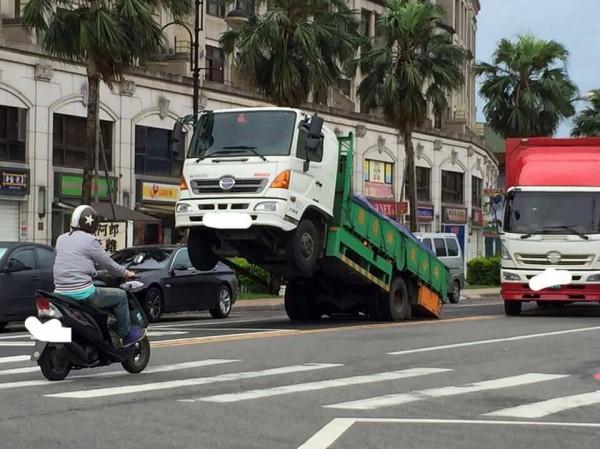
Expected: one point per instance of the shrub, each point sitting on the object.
(247, 285)
(484, 271)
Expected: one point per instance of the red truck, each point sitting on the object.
(551, 219)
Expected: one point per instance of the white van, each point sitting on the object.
(446, 248)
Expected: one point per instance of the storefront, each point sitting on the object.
(476, 233)
(424, 214)
(14, 188)
(156, 199)
(67, 196)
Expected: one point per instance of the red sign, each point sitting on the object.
(477, 216)
(388, 208)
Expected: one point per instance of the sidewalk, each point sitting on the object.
(469, 294)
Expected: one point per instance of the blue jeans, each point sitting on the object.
(116, 299)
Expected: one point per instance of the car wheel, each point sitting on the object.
(3, 324)
(153, 304)
(224, 301)
(454, 295)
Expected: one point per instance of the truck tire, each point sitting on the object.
(512, 308)
(300, 304)
(199, 250)
(395, 305)
(303, 247)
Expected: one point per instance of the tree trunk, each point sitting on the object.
(411, 179)
(92, 132)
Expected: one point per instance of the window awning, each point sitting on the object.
(122, 213)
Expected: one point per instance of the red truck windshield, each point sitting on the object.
(553, 213)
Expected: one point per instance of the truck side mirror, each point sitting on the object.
(176, 144)
(316, 126)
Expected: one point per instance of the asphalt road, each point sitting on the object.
(473, 379)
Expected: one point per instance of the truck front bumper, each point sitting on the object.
(237, 213)
(515, 287)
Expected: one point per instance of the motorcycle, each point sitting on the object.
(94, 341)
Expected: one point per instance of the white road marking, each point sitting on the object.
(25, 383)
(10, 337)
(210, 337)
(152, 333)
(440, 392)
(15, 358)
(328, 435)
(212, 322)
(154, 386)
(495, 340)
(24, 370)
(15, 344)
(323, 384)
(544, 408)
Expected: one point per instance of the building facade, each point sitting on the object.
(42, 140)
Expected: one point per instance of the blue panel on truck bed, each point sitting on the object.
(362, 201)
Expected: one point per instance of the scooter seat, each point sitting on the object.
(75, 304)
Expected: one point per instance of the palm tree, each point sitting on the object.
(527, 87)
(587, 123)
(415, 64)
(294, 47)
(108, 37)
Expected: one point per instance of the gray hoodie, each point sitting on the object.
(74, 268)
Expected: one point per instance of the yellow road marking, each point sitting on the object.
(271, 334)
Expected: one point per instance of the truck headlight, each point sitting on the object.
(511, 277)
(183, 208)
(594, 278)
(504, 253)
(267, 206)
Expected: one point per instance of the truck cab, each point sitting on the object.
(258, 183)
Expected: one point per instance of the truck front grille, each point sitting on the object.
(566, 260)
(205, 186)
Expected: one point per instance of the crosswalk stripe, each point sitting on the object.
(16, 344)
(404, 398)
(128, 389)
(544, 408)
(25, 370)
(320, 385)
(25, 383)
(15, 358)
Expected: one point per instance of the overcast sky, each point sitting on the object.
(574, 23)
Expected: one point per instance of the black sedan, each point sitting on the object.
(24, 268)
(172, 284)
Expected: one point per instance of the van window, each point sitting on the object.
(427, 243)
(452, 247)
(440, 248)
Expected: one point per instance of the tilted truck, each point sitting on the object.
(273, 186)
(551, 219)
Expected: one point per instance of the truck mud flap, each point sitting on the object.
(428, 304)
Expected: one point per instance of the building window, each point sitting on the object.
(214, 64)
(12, 134)
(476, 191)
(378, 177)
(452, 187)
(215, 8)
(69, 141)
(365, 22)
(152, 153)
(423, 175)
(345, 86)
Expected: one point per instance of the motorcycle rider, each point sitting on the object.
(74, 270)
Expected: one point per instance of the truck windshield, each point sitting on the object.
(248, 133)
(553, 213)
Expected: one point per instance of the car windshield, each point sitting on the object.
(3, 249)
(553, 213)
(247, 134)
(143, 259)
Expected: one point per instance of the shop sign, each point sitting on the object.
(14, 181)
(71, 186)
(424, 213)
(477, 217)
(112, 235)
(454, 214)
(389, 208)
(378, 190)
(164, 193)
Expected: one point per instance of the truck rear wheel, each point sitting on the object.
(512, 308)
(395, 305)
(303, 247)
(199, 249)
(300, 304)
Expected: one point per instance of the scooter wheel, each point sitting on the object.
(140, 356)
(54, 363)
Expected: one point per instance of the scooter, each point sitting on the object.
(94, 341)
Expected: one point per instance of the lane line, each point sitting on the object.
(249, 336)
(331, 432)
(24, 370)
(323, 384)
(14, 358)
(549, 407)
(441, 392)
(495, 340)
(26, 383)
(212, 322)
(155, 386)
(16, 344)
(9, 337)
